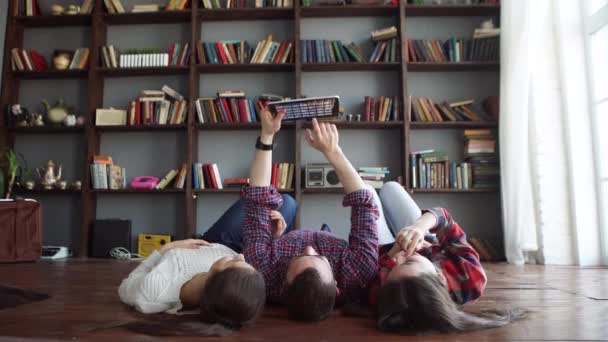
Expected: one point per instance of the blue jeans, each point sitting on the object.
(228, 229)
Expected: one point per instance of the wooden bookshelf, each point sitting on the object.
(42, 191)
(54, 20)
(99, 22)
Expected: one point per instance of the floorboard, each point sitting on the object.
(566, 303)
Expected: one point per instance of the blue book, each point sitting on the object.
(311, 51)
(321, 51)
(208, 54)
(195, 176)
(211, 48)
(252, 110)
(220, 106)
(453, 180)
(342, 52)
(374, 52)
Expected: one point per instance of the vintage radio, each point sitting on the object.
(321, 176)
(148, 243)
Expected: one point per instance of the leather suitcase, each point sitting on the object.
(20, 231)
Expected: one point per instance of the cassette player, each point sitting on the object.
(321, 176)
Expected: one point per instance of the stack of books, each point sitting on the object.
(282, 176)
(240, 52)
(329, 51)
(178, 55)
(231, 106)
(485, 45)
(236, 182)
(432, 169)
(373, 176)
(145, 8)
(385, 108)
(158, 107)
(480, 153)
(106, 175)
(177, 176)
(206, 176)
(425, 110)
(387, 47)
(22, 59)
(213, 4)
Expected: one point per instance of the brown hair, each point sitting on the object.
(422, 304)
(230, 299)
(309, 298)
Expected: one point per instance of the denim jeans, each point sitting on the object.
(228, 229)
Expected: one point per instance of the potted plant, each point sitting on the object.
(9, 166)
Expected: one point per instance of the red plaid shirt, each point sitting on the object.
(451, 255)
(354, 263)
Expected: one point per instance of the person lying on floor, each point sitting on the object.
(306, 269)
(205, 273)
(428, 272)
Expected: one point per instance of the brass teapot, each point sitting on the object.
(49, 179)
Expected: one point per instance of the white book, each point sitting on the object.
(122, 61)
(172, 93)
(256, 52)
(259, 3)
(165, 61)
(113, 58)
(156, 59)
(216, 172)
(75, 57)
(199, 111)
(167, 179)
(164, 112)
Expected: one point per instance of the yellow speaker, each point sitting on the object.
(148, 243)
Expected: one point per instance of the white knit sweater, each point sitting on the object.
(155, 284)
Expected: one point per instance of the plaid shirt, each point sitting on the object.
(451, 255)
(354, 263)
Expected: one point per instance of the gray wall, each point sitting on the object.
(155, 153)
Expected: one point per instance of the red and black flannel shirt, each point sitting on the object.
(451, 254)
(354, 263)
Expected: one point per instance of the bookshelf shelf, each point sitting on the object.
(161, 17)
(152, 71)
(231, 191)
(452, 125)
(239, 68)
(451, 10)
(453, 191)
(54, 20)
(140, 128)
(351, 66)
(349, 11)
(138, 191)
(238, 126)
(51, 74)
(39, 191)
(47, 129)
(223, 14)
(363, 125)
(460, 66)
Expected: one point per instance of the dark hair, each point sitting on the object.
(230, 299)
(422, 304)
(309, 298)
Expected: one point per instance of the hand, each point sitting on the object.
(278, 224)
(410, 239)
(323, 137)
(271, 123)
(189, 243)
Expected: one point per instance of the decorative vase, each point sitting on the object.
(57, 9)
(57, 113)
(62, 61)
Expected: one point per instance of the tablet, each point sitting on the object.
(308, 108)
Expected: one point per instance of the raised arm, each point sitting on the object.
(261, 167)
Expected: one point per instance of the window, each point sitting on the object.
(596, 29)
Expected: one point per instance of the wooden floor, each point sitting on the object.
(567, 303)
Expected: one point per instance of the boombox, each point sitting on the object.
(148, 243)
(321, 176)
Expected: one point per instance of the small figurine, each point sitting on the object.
(29, 185)
(37, 119)
(57, 9)
(77, 185)
(62, 185)
(62, 59)
(72, 9)
(70, 120)
(80, 120)
(57, 113)
(49, 179)
(21, 115)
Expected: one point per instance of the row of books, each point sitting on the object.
(425, 110)
(106, 175)
(432, 170)
(480, 152)
(164, 112)
(452, 50)
(116, 6)
(329, 51)
(206, 176)
(240, 52)
(373, 176)
(232, 107)
(385, 108)
(282, 176)
(387, 51)
(22, 59)
(178, 55)
(213, 4)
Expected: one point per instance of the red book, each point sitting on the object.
(180, 57)
(372, 108)
(275, 173)
(171, 53)
(367, 109)
(412, 49)
(221, 53)
(39, 61)
(232, 53)
(243, 110)
(227, 109)
(277, 57)
(208, 183)
(212, 176)
(137, 113)
(231, 181)
(35, 7)
(234, 109)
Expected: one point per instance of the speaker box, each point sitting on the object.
(108, 234)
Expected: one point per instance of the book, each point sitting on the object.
(328, 51)
(385, 33)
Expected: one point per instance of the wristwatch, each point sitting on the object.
(264, 147)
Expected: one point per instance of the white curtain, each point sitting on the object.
(548, 196)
